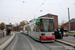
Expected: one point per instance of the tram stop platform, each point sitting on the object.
(70, 40)
(5, 41)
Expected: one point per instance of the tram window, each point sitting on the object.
(46, 25)
(34, 28)
(51, 27)
(25, 29)
(29, 29)
(37, 27)
(41, 27)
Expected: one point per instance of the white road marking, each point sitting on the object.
(15, 43)
(29, 43)
(65, 46)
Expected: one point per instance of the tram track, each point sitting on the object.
(19, 43)
(39, 43)
(59, 46)
(29, 43)
(46, 46)
(35, 45)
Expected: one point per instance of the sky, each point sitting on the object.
(15, 11)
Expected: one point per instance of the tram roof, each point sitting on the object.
(25, 25)
(37, 20)
(45, 18)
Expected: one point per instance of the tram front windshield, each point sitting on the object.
(46, 25)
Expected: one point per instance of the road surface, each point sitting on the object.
(24, 42)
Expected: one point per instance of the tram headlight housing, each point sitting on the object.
(52, 33)
(43, 34)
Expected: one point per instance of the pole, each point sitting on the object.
(8, 20)
(69, 19)
(34, 16)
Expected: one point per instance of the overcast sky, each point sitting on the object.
(15, 11)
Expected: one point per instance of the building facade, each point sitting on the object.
(72, 24)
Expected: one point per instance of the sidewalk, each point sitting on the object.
(4, 39)
(70, 40)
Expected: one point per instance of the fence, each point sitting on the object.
(2, 34)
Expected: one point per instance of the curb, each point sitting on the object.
(4, 45)
(67, 43)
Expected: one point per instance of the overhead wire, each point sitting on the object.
(21, 8)
(50, 4)
(61, 6)
(37, 8)
(62, 1)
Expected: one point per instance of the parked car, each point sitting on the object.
(21, 31)
(65, 33)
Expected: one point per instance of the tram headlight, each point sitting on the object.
(43, 34)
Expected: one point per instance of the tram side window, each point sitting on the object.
(37, 27)
(29, 28)
(25, 29)
(41, 26)
(32, 27)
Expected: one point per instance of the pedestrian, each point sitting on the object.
(57, 34)
(61, 30)
(9, 31)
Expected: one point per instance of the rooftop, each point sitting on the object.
(48, 14)
(51, 14)
(72, 20)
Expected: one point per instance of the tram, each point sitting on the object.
(40, 29)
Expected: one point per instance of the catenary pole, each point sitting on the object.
(69, 19)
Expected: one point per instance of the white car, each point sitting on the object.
(21, 31)
(65, 33)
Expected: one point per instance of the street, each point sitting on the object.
(24, 42)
